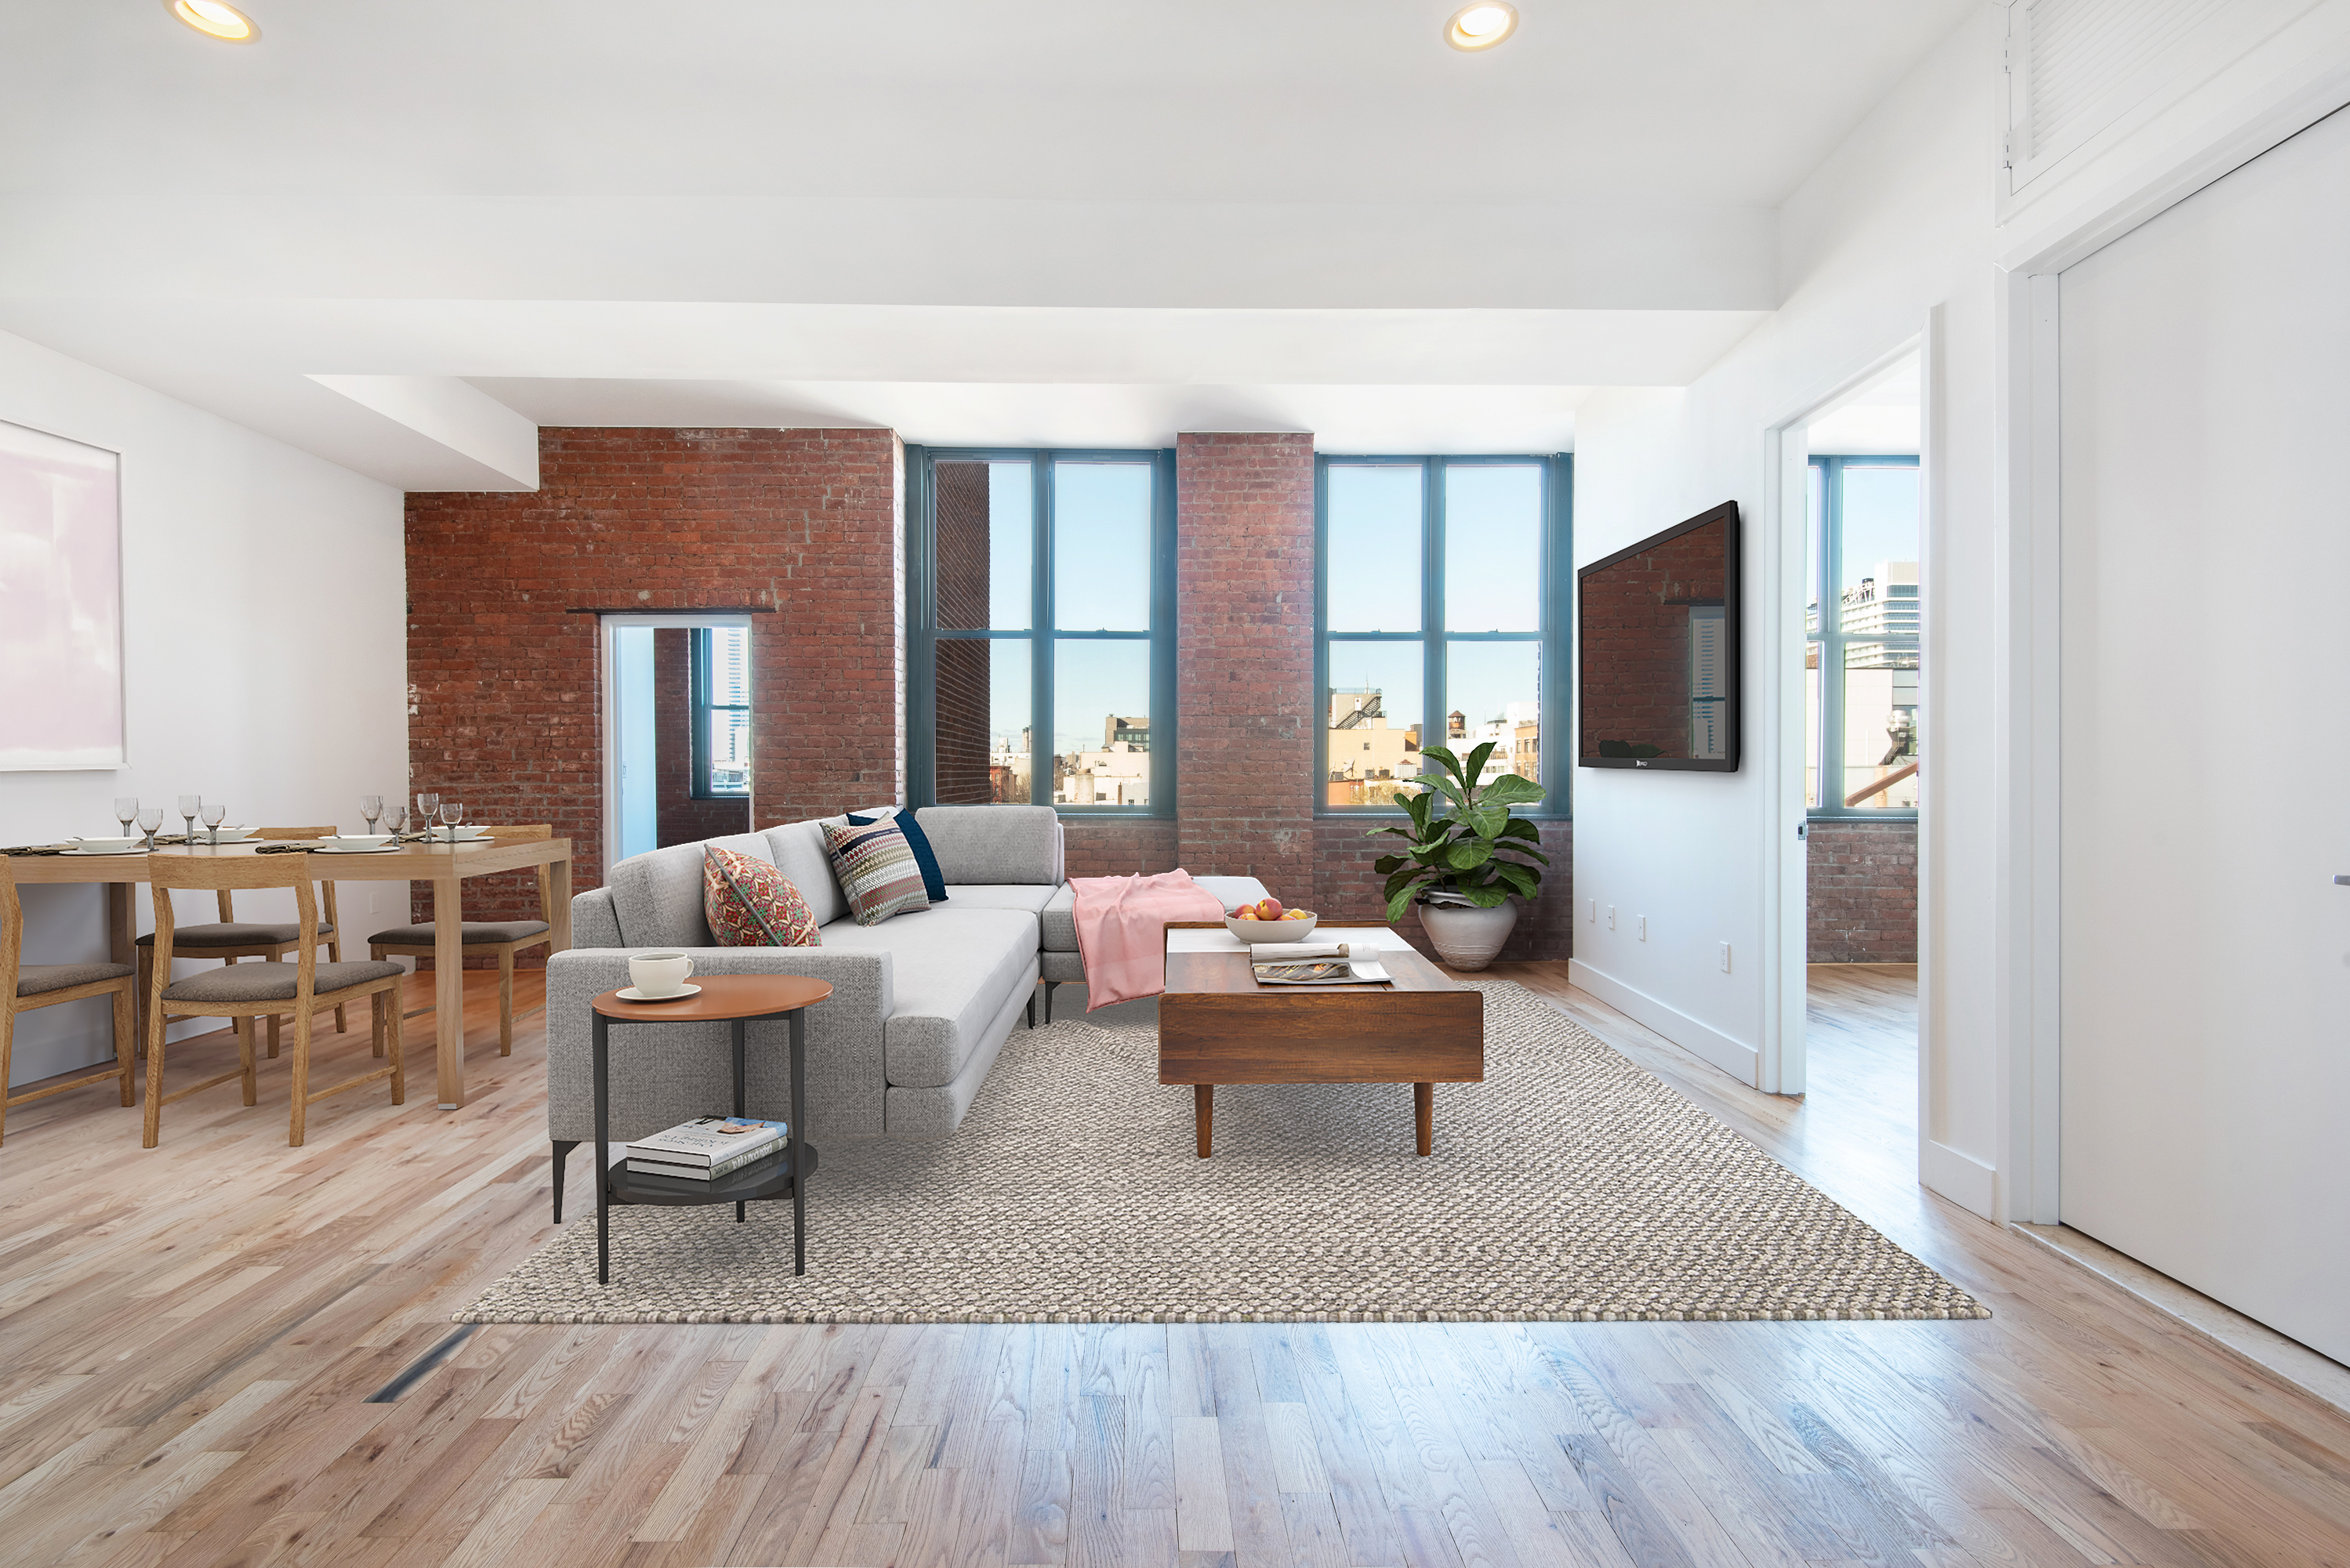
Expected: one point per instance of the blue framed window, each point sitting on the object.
(1042, 602)
(1861, 659)
(722, 712)
(1439, 619)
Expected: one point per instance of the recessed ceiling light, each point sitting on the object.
(1481, 25)
(215, 20)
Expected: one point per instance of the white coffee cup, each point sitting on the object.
(660, 975)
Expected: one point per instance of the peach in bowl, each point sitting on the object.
(1267, 922)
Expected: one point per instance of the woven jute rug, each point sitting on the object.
(1570, 1184)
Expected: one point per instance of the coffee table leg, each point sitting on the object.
(1204, 1114)
(1423, 1114)
(799, 1171)
(739, 1209)
(603, 1159)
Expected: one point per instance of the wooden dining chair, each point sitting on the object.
(243, 991)
(25, 986)
(481, 938)
(230, 940)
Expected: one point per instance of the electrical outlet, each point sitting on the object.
(1611, 916)
(1725, 957)
(1640, 927)
(1593, 918)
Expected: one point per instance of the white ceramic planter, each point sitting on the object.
(1468, 938)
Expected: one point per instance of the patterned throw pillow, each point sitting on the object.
(876, 870)
(934, 882)
(750, 904)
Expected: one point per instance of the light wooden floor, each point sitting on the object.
(187, 1337)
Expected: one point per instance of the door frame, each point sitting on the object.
(608, 697)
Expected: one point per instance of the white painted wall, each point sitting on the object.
(2206, 525)
(265, 656)
(1896, 226)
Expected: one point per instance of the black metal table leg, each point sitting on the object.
(603, 1159)
(739, 1209)
(799, 1171)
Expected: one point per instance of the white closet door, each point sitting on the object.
(2206, 724)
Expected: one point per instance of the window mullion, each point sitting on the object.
(1432, 707)
(1831, 763)
(1042, 618)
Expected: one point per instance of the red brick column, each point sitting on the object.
(1244, 659)
(1862, 892)
(504, 709)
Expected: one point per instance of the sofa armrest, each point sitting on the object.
(594, 920)
(662, 1074)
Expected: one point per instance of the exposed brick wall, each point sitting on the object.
(962, 667)
(680, 817)
(1863, 891)
(1635, 635)
(504, 706)
(1244, 656)
(1119, 846)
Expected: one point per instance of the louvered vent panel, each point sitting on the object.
(2079, 52)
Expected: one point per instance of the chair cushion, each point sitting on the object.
(994, 844)
(273, 982)
(234, 934)
(876, 871)
(934, 885)
(33, 978)
(750, 904)
(467, 932)
(798, 850)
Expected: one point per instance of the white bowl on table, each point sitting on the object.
(110, 845)
(1271, 933)
(360, 840)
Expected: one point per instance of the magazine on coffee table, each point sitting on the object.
(1338, 964)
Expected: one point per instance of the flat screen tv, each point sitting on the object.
(1658, 625)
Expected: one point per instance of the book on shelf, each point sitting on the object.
(706, 1142)
(771, 1150)
(1336, 963)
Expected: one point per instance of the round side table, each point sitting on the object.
(735, 999)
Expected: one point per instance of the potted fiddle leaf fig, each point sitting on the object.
(1468, 856)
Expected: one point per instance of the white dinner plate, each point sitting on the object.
(631, 993)
(356, 848)
(134, 849)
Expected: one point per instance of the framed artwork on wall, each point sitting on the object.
(60, 603)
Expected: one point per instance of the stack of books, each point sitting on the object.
(706, 1148)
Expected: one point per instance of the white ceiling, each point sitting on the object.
(1000, 222)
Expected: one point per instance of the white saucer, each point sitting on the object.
(134, 849)
(631, 993)
(355, 848)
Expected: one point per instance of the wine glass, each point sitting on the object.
(148, 821)
(189, 805)
(426, 804)
(125, 812)
(452, 814)
(213, 812)
(370, 807)
(396, 819)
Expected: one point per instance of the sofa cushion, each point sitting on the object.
(953, 972)
(934, 885)
(798, 850)
(876, 871)
(994, 844)
(750, 904)
(1030, 896)
(659, 895)
(1057, 921)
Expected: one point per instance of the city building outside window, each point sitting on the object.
(1440, 577)
(722, 712)
(1042, 629)
(1861, 662)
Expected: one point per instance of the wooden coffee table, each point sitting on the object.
(1218, 1025)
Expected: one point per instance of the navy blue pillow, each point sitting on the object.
(935, 883)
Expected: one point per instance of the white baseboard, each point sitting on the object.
(1960, 1178)
(1742, 1062)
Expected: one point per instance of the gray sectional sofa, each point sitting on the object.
(920, 1004)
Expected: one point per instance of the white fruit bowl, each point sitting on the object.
(1270, 933)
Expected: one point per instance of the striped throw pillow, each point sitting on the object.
(876, 870)
(750, 904)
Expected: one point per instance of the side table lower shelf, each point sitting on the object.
(751, 1185)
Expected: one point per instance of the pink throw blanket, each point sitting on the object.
(1122, 930)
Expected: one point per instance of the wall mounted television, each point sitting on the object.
(1658, 651)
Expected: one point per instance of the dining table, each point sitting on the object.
(445, 865)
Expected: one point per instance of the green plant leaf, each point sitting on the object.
(1443, 754)
(1386, 863)
(1523, 880)
(1519, 827)
(1486, 897)
(1487, 821)
(1468, 853)
(1475, 764)
(1397, 902)
(1510, 790)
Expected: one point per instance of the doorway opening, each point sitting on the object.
(677, 730)
(1865, 596)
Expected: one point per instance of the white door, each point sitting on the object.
(2205, 946)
